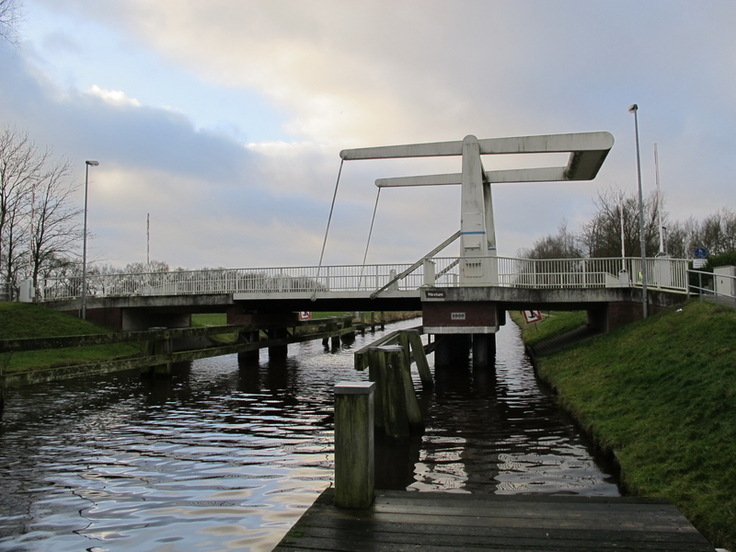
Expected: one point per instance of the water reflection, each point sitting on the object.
(223, 456)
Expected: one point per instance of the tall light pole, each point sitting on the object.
(87, 165)
(642, 238)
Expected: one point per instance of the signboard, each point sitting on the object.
(435, 293)
(701, 253)
(531, 316)
(457, 316)
(305, 315)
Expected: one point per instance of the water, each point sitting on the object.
(218, 458)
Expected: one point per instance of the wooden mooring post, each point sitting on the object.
(354, 444)
(397, 408)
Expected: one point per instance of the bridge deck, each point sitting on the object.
(446, 522)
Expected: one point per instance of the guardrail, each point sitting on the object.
(663, 273)
(719, 285)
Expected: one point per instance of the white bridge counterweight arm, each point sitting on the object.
(431, 149)
(547, 143)
(542, 174)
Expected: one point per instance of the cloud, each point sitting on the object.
(115, 97)
(344, 74)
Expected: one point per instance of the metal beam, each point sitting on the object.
(541, 174)
(547, 143)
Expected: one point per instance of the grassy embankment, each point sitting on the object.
(25, 320)
(220, 319)
(661, 395)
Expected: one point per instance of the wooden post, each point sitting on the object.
(354, 444)
(413, 412)
(388, 361)
(375, 374)
(420, 357)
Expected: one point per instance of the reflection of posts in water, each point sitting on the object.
(463, 399)
(396, 462)
(354, 444)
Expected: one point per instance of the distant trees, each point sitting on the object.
(39, 229)
(601, 236)
(563, 245)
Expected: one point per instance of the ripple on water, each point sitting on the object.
(222, 458)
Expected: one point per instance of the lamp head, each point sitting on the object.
(92, 163)
(633, 108)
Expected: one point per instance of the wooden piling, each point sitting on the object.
(398, 409)
(354, 444)
(420, 357)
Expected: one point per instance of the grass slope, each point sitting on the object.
(661, 394)
(24, 320)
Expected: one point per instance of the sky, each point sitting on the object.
(222, 121)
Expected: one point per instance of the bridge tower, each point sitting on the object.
(478, 263)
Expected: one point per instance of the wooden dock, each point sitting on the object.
(400, 520)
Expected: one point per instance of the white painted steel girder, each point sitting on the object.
(478, 236)
(587, 151)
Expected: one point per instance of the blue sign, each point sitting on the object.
(701, 253)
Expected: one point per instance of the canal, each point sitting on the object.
(222, 458)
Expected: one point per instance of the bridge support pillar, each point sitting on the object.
(452, 349)
(278, 352)
(249, 357)
(484, 350)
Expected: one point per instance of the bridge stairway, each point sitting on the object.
(449, 522)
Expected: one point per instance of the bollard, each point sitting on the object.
(354, 444)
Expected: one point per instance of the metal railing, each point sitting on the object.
(719, 285)
(663, 273)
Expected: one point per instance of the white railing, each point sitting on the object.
(669, 274)
(719, 285)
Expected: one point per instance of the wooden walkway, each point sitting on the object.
(445, 522)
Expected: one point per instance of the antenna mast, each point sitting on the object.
(659, 202)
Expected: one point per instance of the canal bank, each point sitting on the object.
(660, 396)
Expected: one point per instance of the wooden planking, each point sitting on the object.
(448, 522)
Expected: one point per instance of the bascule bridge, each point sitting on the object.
(459, 312)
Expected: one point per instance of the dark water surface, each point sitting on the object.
(222, 458)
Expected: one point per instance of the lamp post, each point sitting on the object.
(642, 238)
(87, 165)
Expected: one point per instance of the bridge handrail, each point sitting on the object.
(664, 273)
(722, 286)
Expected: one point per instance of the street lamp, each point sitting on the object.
(642, 239)
(87, 165)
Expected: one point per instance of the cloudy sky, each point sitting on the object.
(223, 120)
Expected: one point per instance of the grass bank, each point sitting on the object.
(661, 395)
(24, 320)
(27, 320)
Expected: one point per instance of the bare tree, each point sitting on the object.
(19, 169)
(716, 233)
(563, 245)
(37, 223)
(9, 19)
(54, 222)
(602, 235)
